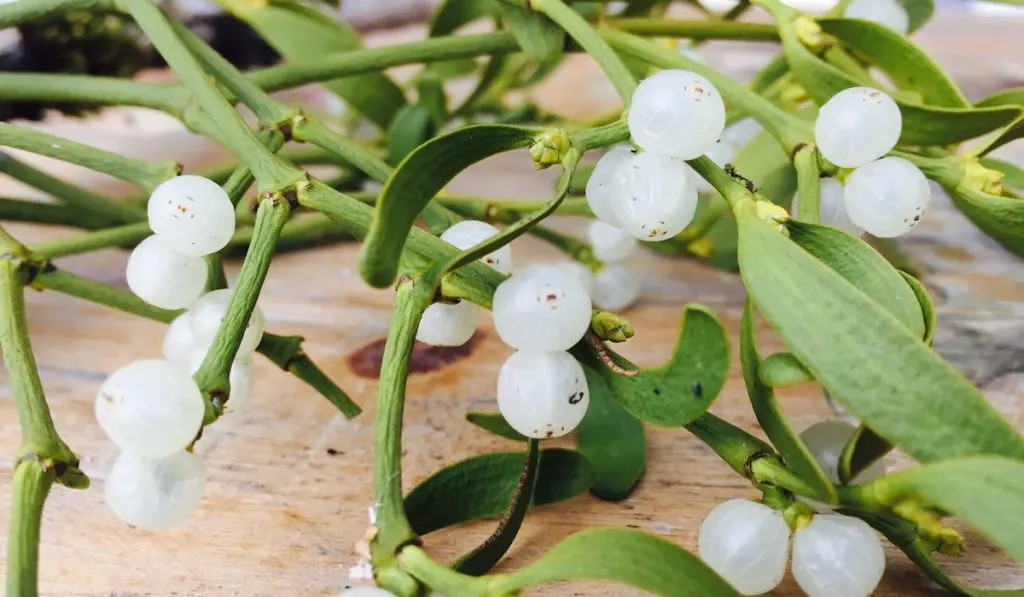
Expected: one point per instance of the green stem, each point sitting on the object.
(29, 487)
(356, 62)
(121, 236)
(393, 527)
(727, 186)
(789, 129)
(227, 126)
(51, 278)
(144, 174)
(570, 245)
(19, 210)
(87, 89)
(808, 180)
(212, 375)
(601, 136)
(301, 231)
(311, 131)
(698, 30)
(736, 447)
(580, 30)
(844, 61)
(507, 210)
(439, 577)
(771, 471)
(242, 177)
(15, 13)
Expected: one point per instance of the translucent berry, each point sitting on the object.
(163, 277)
(832, 211)
(192, 213)
(747, 544)
(469, 233)
(604, 186)
(179, 339)
(542, 394)
(210, 309)
(826, 441)
(678, 113)
(542, 311)
(616, 286)
(566, 267)
(887, 197)
(609, 243)
(239, 377)
(447, 324)
(659, 199)
(857, 125)
(837, 556)
(888, 13)
(155, 493)
(150, 408)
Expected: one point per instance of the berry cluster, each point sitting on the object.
(834, 555)
(883, 196)
(152, 409)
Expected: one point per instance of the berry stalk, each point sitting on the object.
(808, 184)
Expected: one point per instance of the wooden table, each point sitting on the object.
(289, 480)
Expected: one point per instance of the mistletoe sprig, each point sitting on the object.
(815, 123)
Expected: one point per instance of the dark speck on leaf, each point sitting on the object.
(657, 391)
(698, 390)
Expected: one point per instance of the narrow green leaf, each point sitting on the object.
(893, 253)
(919, 11)
(769, 414)
(782, 369)
(862, 449)
(479, 487)
(987, 492)
(683, 388)
(417, 180)
(612, 440)
(432, 97)
(621, 555)
(304, 34)
(1013, 174)
(863, 267)
(922, 125)
(906, 65)
(494, 423)
(1014, 131)
(927, 306)
(1002, 218)
(454, 14)
(410, 128)
(875, 366)
(483, 558)
(539, 37)
(1006, 97)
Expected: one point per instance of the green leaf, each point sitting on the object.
(863, 267)
(862, 449)
(1014, 174)
(479, 487)
(417, 180)
(304, 34)
(432, 97)
(875, 366)
(683, 388)
(773, 421)
(612, 440)
(621, 555)
(926, 304)
(906, 65)
(1014, 131)
(782, 369)
(494, 423)
(987, 492)
(410, 128)
(454, 14)
(1006, 97)
(922, 125)
(483, 558)
(919, 11)
(1002, 218)
(539, 37)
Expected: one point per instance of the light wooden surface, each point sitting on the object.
(289, 479)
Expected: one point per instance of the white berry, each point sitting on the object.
(542, 394)
(888, 13)
(678, 113)
(193, 213)
(542, 311)
(567, 267)
(163, 277)
(887, 197)
(366, 592)
(832, 210)
(151, 408)
(826, 441)
(179, 339)
(837, 556)
(747, 544)
(208, 312)
(470, 233)
(856, 126)
(239, 376)
(659, 198)
(604, 186)
(447, 324)
(616, 286)
(155, 493)
(609, 243)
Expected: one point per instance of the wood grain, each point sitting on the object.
(289, 479)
